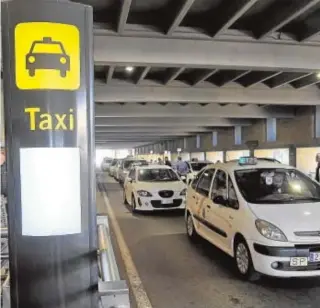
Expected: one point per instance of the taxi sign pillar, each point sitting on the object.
(48, 102)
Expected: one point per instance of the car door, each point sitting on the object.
(203, 202)
(192, 196)
(128, 184)
(224, 212)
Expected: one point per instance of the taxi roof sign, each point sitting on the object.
(247, 161)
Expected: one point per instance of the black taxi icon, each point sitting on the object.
(47, 55)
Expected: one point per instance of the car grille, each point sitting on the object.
(310, 247)
(166, 193)
(158, 204)
(307, 233)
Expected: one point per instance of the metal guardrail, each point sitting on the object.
(113, 292)
(5, 277)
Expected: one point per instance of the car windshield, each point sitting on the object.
(47, 48)
(128, 163)
(276, 185)
(157, 175)
(198, 166)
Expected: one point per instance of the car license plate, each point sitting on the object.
(314, 257)
(299, 261)
(166, 201)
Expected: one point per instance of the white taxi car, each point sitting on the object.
(154, 187)
(194, 168)
(112, 167)
(264, 214)
(125, 167)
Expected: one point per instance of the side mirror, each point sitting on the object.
(220, 200)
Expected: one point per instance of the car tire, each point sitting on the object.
(32, 72)
(243, 261)
(191, 231)
(63, 73)
(133, 204)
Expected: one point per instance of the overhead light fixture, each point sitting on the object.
(318, 75)
(151, 152)
(129, 69)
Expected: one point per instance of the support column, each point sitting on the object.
(48, 101)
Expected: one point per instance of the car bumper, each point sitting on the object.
(152, 204)
(264, 257)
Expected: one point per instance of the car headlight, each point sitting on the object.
(270, 231)
(63, 60)
(32, 59)
(183, 192)
(144, 193)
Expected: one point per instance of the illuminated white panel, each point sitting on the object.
(50, 191)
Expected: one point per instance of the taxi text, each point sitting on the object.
(47, 121)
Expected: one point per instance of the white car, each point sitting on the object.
(125, 166)
(194, 168)
(116, 169)
(106, 163)
(264, 214)
(150, 188)
(112, 167)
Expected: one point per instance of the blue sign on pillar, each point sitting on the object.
(271, 130)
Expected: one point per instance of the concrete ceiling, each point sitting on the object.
(200, 64)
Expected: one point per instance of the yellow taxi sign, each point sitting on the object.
(47, 56)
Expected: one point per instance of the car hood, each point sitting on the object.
(156, 186)
(290, 218)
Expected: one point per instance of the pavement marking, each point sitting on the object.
(135, 282)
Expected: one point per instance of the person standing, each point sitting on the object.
(318, 172)
(182, 167)
(167, 162)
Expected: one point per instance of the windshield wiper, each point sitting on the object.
(308, 198)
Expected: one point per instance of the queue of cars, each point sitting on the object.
(264, 214)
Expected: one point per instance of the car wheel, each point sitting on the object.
(32, 72)
(63, 73)
(243, 261)
(125, 201)
(133, 204)
(191, 231)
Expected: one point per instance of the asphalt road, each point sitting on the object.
(179, 274)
